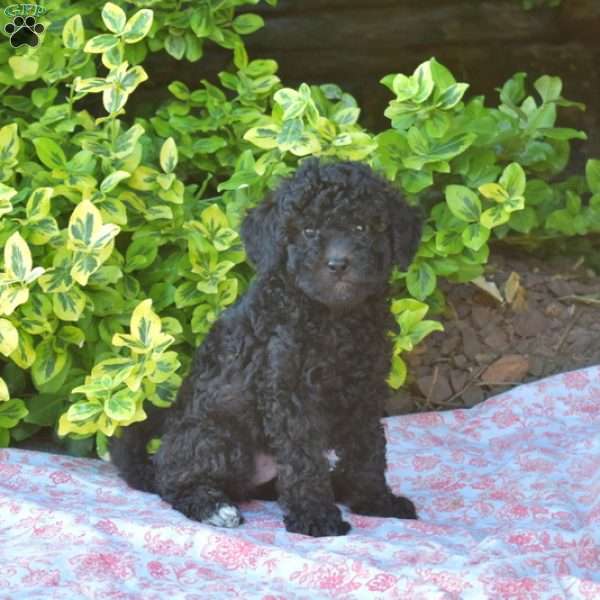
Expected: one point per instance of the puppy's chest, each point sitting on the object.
(334, 356)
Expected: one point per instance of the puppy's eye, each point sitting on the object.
(310, 233)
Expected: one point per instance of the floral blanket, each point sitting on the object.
(508, 494)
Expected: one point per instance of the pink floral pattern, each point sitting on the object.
(508, 494)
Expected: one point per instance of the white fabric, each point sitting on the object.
(508, 494)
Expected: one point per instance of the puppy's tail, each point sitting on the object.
(129, 454)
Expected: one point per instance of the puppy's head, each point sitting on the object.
(337, 229)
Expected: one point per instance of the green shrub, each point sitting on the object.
(120, 243)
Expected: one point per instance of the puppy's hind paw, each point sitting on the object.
(387, 506)
(225, 515)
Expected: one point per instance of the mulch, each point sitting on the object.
(535, 317)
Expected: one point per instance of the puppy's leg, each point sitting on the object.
(303, 479)
(359, 475)
(202, 466)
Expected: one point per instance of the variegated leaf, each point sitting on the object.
(101, 43)
(9, 337)
(111, 181)
(17, 258)
(91, 84)
(73, 34)
(48, 363)
(168, 156)
(113, 99)
(68, 306)
(121, 406)
(38, 204)
(84, 410)
(138, 26)
(114, 17)
(24, 355)
(84, 224)
(9, 143)
(4, 394)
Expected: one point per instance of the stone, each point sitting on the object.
(436, 392)
(458, 379)
(470, 342)
(530, 323)
(472, 395)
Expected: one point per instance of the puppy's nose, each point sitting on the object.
(337, 264)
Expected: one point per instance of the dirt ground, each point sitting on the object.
(541, 317)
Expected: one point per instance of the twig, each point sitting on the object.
(583, 299)
(466, 386)
(433, 382)
(567, 330)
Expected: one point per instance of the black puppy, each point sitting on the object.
(295, 368)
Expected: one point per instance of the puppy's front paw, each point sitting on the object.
(328, 522)
(387, 505)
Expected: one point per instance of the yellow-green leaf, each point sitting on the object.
(9, 337)
(38, 204)
(264, 136)
(48, 363)
(24, 67)
(111, 181)
(50, 153)
(91, 84)
(118, 369)
(101, 43)
(214, 218)
(113, 99)
(145, 323)
(114, 57)
(114, 17)
(84, 265)
(41, 231)
(397, 375)
(492, 217)
(11, 412)
(9, 143)
(65, 427)
(164, 367)
(84, 224)
(6, 193)
(73, 34)
(168, 155)
(4, 394)
(24, 355)
(17, 258)
(138, 26)
(143, 179)
(84, 410)
(11, 297)
(493, 191)
(132, 78)
(121, 406)
(68, 306)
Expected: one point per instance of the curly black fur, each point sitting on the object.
(296, 367)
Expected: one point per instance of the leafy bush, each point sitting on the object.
(120, 237)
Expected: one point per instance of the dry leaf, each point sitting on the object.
(509, 368)
(512, 287)
(489, 287)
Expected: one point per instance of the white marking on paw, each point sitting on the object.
(225, 516)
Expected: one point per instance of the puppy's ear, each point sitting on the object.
(407, 224)
(262, 236)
